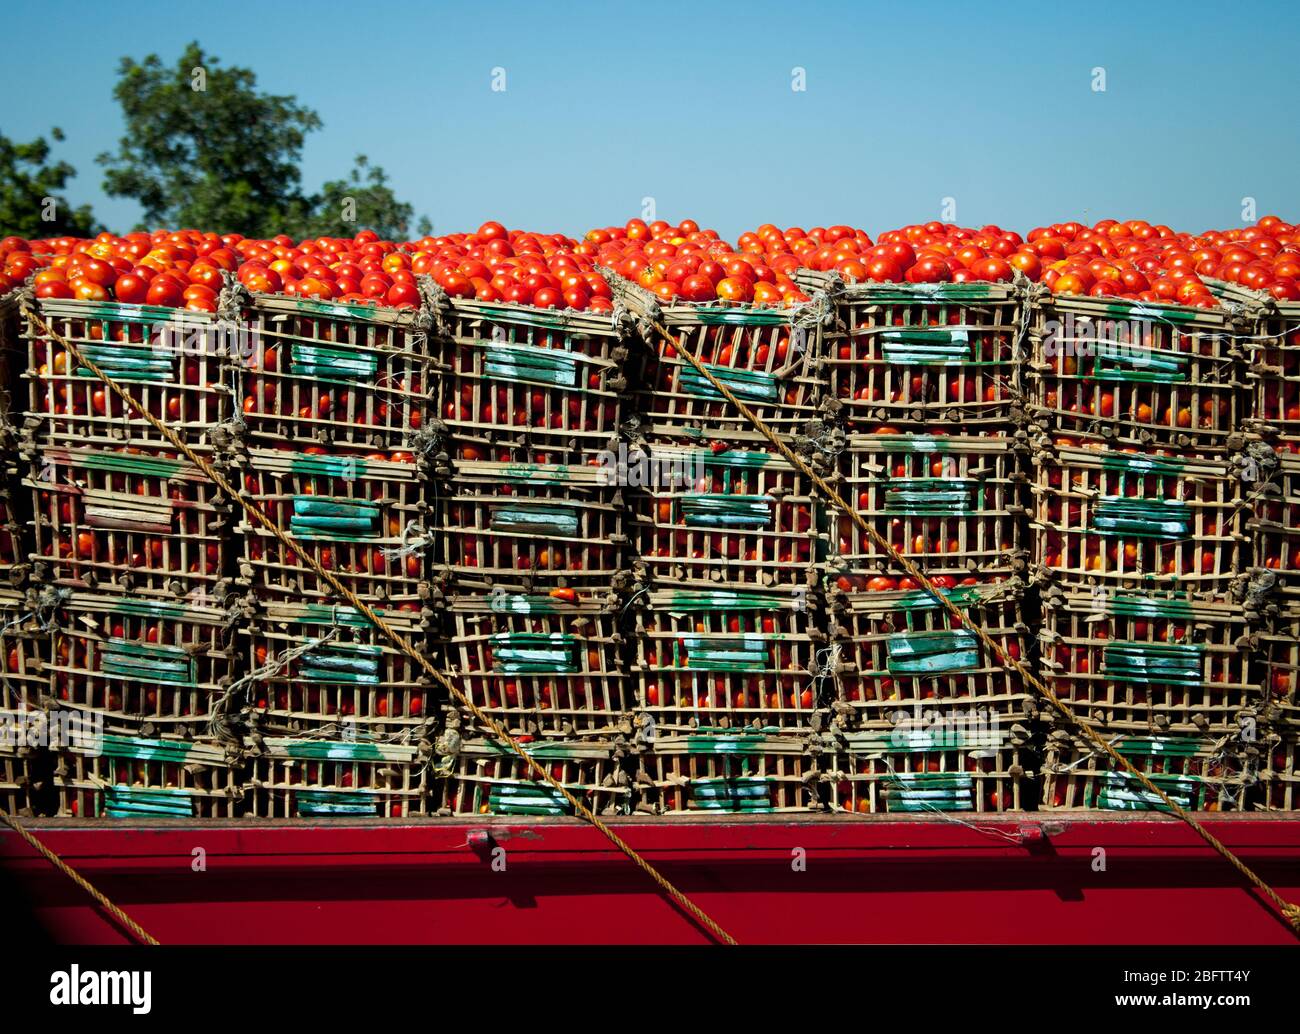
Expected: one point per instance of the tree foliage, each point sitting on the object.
(31, 202)
(205, 148)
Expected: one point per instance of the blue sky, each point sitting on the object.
(691, 104)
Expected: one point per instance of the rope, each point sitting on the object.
(1289, 911)
(256, 513)
(141, 935)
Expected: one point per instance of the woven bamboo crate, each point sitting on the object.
(1138, 519)
(1136, 372)
(170, 360)
(26, 619)
(350, 377)
(730, 659)
(880, 772)
(923, 353)
(340, 778)
(1149, 663)
(138, 522)
(1275, 521)
(363, 518)
(320, 668)
(143, 666)
(1279, 788)
(1271, 338)
(133, 777)
(734, 518)
(899, 661)
(717, 772)
(547, 385)
(1278, 646)
(768, 357)
(527, 527)
(1198, 773)
(541, 665)
(952, 504)
(484, 778)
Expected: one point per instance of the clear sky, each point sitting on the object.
(690, 103)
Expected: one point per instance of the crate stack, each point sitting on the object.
(726, 641)
(928, 379)
(532, 553)
(336, 445)
(1272, 471)
(1141, 550)
(129, 560)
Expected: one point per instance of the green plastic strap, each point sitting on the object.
(317, 361)
(129, 802)
(317, 517)
(526, 653)
(925, 791)
(928, 653)
(536, 473)
(709, 458)
(1122, 792)
(323, 803)
(1161, 746)
(125, 463)
(342, 665)
(1145, 310)
(1153, 663)
(930, 496)
(339, 750)
(1121, 361)
(148, 663)
(1139, 464)
(729, 653)
(925, 347)
(143, 749)
(559, 520)
(961, 596)
(319, 614)
(718, 599)
(522, 603)
(726, 511)
(1123, 604)
(753, 385)
(537, 365)
(123, 312)
(123, 362)
(542, 750)
(523, 798)
(722, 316)
(724, 744)
(738, 793)
(913, 443)
(914, 294)
(525, 317)
(1142, 518)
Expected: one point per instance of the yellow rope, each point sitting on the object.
(393, 636)
(141, 934)
(1289, 911)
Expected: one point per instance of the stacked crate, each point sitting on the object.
(532, 545)
(1141, 550)
(335, 445)
(928, 381)
(130, 556)
(727, 645)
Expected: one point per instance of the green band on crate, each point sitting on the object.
(752, 385)
(343, 663)
(1124, 361)
(346, 467)
(924, 347)
(721, 316)
(926, 791)
(128, 802)
(320, 614)
(931, 653)
(318, 361)
(709, 458)
(542, 750)
(1141, 464)
(719, 599)
(344, 310)
(522, 798)
(736, 793)
(727, 653)
(919, 293)
(525, 317)
(540, 474)
(1145, 310)
(318, 517)
(142, 749)
(122, 312)
(558, 520)
(720, 743)
(1161, 746)
(320, 803)
(1142, 518)
(700, 510)
(1123, 604)
(913, 443)
(921, 599)
(124, 463)
(1120, 791)
(148, 662)
(532, 364)
(930, 496)
(340, 750)
(527, 653)
(130, 363)
(521, 603)
(956, 732)
(1153, 663)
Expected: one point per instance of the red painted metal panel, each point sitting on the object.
(1019, 879)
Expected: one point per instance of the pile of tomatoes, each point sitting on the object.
(686, 263)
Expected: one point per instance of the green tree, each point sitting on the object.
(364, 199)
(31, 204)
(205, 148)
